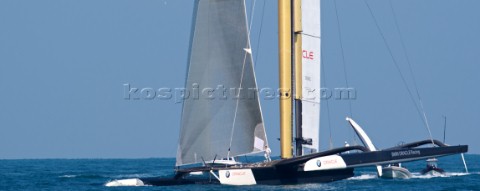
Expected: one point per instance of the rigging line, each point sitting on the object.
(344, 64)
(343, 54)
(252, 12)
(260, 33)
(409, 65)
(398, 68)
(324, 81)
(253, 65)
(256, 58)
(241, 77)
(236, 104)
(404, 49)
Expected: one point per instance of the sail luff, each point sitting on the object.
(192, 35)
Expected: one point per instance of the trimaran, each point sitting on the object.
(220, 128)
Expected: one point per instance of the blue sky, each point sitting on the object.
(63, 65)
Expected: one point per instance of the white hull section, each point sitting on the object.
(394, 172)
(237, 177)
(325, 163)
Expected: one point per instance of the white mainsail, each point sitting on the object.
(218, 57)
(311, 60)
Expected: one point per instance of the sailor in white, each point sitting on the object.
(347, 145)
(267, 153)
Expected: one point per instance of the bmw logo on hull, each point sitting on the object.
(227, 174)
(319, 163)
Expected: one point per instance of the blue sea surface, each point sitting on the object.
(93, 174)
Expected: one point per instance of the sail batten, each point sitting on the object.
(220, 51)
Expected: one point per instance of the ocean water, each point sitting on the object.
(93, 174)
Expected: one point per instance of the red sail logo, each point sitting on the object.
(308, 55)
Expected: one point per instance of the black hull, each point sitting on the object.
(271, 176)
(264, 176)
(295, 170)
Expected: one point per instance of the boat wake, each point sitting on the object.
(138, 182)
(141, 175)
(415, 176)
(364, 177)
(446, 175)
(129, 180)
(82, 176)
(125, 182)
(68, 176)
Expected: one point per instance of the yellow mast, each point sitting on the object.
(285, 74)
(297, 29)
